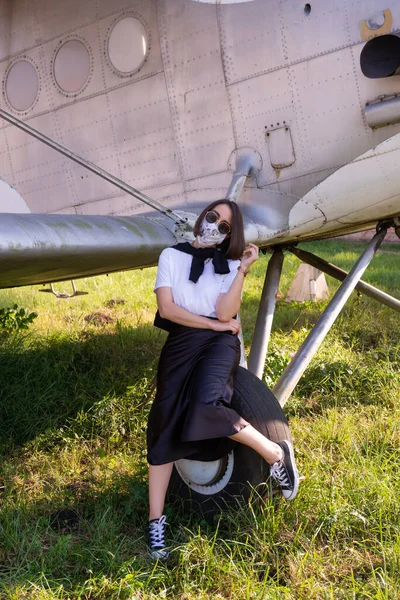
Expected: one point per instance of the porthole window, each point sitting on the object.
(127, 45)
(21, 85)
(71, 67)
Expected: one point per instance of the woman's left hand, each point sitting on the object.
(250, 255)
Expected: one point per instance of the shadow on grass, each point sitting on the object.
(103, 535)
(105, 540)
(47, 381)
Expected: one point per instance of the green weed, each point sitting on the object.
(15, 318)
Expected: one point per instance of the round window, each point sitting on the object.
(71, 66)
(127, 45)
(21, 85)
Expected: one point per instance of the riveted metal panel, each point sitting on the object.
(329, 106)
(124, 204)
(302, 184)
(17, 27)
(172, 195)
(105, 8)
(222, 1)
(218, 180)
(6, 170)
(39, 174)
(143, 132)
(66, 211)
(87, 130)
(251, 39)
(56, 19)
(323, 30)
(261, 104)
(196, 86)
(116, 205)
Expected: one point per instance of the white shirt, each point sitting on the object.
(199, 298)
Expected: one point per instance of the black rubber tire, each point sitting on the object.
(255, 402)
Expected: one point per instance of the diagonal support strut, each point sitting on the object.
(87, 164)
(333, 271)
(295, 369)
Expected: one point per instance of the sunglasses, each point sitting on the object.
(223, 227)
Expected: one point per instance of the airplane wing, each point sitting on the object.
(40, 248)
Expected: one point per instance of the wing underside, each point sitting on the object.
(42, 248)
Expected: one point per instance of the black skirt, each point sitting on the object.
(191, 416)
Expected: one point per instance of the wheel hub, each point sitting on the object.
(206, 477)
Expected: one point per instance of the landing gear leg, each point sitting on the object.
(265, 314)
(295, 369)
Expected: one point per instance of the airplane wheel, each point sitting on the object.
(207, 487)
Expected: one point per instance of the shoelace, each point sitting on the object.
(279, 473)
(157, 532)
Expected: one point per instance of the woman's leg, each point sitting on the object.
(279, 456)
(249, 436)
(159, 476)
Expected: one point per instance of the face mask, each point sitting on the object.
(209, 235)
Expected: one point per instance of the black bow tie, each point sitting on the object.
(200, 255)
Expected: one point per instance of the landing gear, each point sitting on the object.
(207, 487)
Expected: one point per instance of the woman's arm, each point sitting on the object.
(228, 303)
(169, 310)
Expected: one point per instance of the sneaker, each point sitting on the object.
(285, 472)
(157, 548)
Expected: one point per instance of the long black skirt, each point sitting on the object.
(191, 416)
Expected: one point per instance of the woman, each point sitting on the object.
(198, 290)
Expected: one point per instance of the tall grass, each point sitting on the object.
(74, 396)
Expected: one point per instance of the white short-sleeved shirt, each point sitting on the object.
(201, 297)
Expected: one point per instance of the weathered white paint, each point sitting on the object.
(10, 200)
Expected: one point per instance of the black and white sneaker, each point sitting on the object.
(157, 547)
(285, 472)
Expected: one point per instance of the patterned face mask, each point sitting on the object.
(209, 235)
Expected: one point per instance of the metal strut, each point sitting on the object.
(64, 294)
(291, 375)
(91, 167)
(262, 330)
(248, 163)
(333, 271)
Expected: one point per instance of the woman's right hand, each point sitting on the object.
(233, 325)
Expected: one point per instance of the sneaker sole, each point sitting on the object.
(293, 493)
(158, 554)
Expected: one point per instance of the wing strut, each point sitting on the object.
(295, 369)
(91, 166)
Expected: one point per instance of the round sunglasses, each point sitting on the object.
(223, 226)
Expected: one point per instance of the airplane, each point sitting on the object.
(121, 122)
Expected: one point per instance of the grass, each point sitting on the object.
(75, 392)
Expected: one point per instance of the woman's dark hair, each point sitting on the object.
(234, 244)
